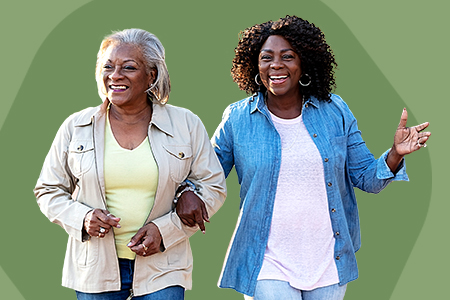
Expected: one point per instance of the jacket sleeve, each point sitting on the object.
(223, 144)
(207, 175)
(55, 187)
(367, 173)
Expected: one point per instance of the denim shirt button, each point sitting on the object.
(330, 184)
(314, 135)
(338, 257)
(337, 233)
(333, 210)
(306, 105)
(326, 159)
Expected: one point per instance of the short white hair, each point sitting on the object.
(154, 58)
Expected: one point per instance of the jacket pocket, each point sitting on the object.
(86, 253)
(175, 257)
(81, 157)
(180, 159)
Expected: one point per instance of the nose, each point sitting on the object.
(276, 64)
(116, 74)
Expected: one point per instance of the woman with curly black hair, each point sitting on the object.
(298, 154)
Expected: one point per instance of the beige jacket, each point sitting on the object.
(71, 183)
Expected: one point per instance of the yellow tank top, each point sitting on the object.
(131, 178)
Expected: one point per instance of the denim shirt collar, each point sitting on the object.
(257, 103)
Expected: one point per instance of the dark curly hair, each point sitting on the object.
(316, 57)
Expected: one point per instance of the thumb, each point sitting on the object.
(403, 119)
(136, 238)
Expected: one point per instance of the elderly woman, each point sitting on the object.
(112, 173)
(298, 154)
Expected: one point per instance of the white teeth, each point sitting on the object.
(118, 87)
(278, 77)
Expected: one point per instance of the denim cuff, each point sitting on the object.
(384, 172)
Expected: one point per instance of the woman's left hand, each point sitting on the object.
(146, 241)
(409, 139)
(406, 141)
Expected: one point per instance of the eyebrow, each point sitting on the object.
(127, 60)
(282, 50)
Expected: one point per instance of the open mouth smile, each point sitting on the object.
(278, 79)
(118, 88)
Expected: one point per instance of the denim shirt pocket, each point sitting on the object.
(180, 159)
(81, 157)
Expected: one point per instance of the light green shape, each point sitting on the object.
(408, 40)
(7, 287)
(25, 25)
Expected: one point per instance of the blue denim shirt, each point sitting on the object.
(248, 140)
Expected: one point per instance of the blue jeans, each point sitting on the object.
(277, 289)
(126, 275)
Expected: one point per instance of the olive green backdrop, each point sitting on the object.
(391, 54)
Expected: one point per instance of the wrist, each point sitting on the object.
(180, 192)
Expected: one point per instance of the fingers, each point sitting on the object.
(147, 240)
(135, 240)
(187, 221)
(108, 218)
(205, 213)
(199, 220)
(403, 119)
(422, 141)
(422, 126)
(98, 222)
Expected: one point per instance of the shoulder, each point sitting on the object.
(82, 117)
(337, 105)
(181, 113)
(239, 108)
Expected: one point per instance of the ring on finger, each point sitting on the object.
(108, 214)
(145, 248)
(421, 145)
(102, 230)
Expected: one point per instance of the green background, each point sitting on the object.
(391, 54)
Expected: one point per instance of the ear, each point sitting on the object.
(152, 76)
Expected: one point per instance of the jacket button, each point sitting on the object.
(333, 210)
(80, 148)
(314, 135)
(330, 184)
(326, 159)
(181, 155)
(338, 257)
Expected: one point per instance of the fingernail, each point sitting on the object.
(118, 226)
(203, 231)
(129, 244)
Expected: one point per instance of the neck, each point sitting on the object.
(286, 106)
(131, 116)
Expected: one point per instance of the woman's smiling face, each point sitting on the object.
(279, 66)
(124, 75)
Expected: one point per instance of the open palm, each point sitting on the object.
(409, 139)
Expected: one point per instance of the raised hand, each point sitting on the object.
(409, 139)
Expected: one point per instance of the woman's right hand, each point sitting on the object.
(98, 222)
